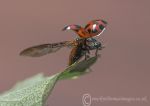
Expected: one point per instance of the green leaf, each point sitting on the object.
(34, 91)
(34, 94)
(78, 69)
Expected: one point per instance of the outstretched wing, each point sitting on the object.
(40, 50)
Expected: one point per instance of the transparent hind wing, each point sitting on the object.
(41, 50)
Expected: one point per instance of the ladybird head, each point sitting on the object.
(93, 43)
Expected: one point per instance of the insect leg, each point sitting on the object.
(87, 52)
(96, 52)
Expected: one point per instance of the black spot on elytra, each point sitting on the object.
(77, 26)
(101, 27)
(65, 28)
(89, 30)
(87, 26)
(104, 21)
(94, 31)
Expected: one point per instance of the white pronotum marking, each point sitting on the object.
(68, 28)
(94, 26)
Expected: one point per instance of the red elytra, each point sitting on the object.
(93, 28)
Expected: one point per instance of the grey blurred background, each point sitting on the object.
(122, 71)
